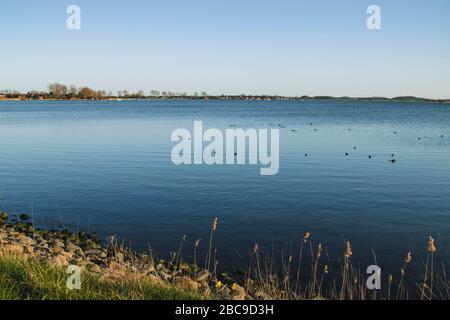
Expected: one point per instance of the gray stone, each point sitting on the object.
(74, 248)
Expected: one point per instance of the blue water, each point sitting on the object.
(105, 167)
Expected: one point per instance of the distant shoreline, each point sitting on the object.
(234, 98)
(62, 92)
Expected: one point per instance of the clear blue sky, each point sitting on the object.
(288, 47)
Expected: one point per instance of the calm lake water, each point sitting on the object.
(106, 167)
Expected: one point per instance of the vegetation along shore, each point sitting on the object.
(57, 91)
(33, 265)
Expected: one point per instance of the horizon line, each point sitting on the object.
(57, 90)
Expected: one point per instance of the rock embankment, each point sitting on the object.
(61, 248)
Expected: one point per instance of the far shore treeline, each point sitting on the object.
(57, 91)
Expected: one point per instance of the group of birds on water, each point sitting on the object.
(393, 160)
(370, 156)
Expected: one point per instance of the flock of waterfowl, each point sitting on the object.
(281, 126)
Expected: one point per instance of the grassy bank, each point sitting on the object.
(33, 265)
(33, 280)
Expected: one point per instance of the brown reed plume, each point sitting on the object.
(196, 245)
(183, 240)
(314, 271)
(429, 269)
(213, 230)
(346, 272)
(306, 236)
(407, 260)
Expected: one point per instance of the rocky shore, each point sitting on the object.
(112, 261)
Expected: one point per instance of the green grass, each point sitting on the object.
(31, 280)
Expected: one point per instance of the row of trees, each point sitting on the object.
(62, 91)
(58, 90)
